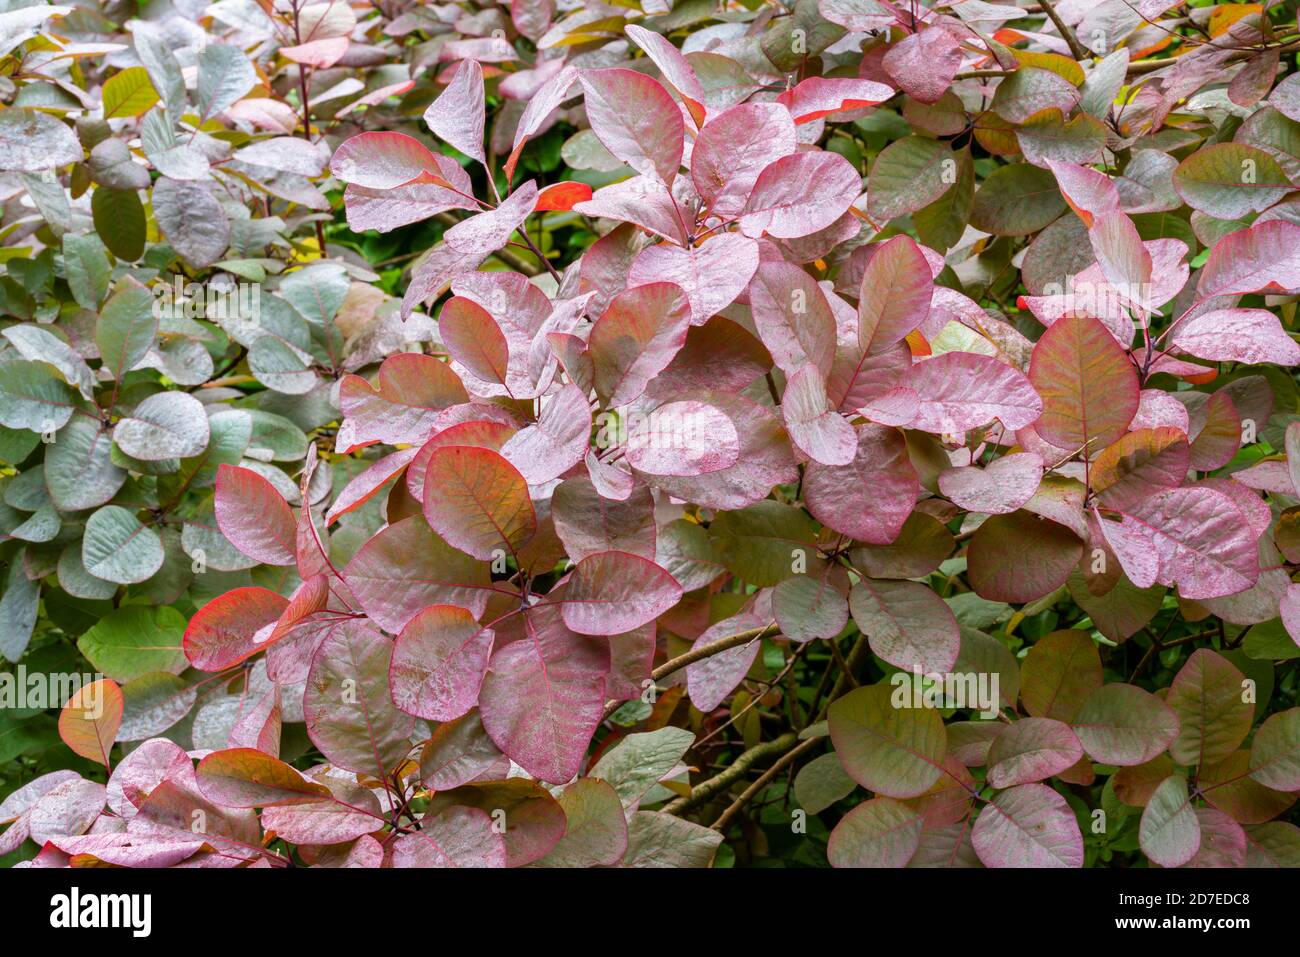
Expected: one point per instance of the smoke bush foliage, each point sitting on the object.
(661, 434)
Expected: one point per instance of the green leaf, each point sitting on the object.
(1017, 200)
(128, 93)
(1123, 725)
(1059, 673)
(120, 221)
(941, 224)
(135, 640)
(87, 269)
(18, 609)
(1275, 752)
(79, 472)
(909, 174)
(225, 75)
(1230, 180)
(1208, 697)
(117, 548)
(126, 329)
(1170, 832)
(887, 745)
(821, 782)
(33, 396)
(760, 543)
(881, 832)
(639, 761)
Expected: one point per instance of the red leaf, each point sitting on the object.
(562, 196)
(477, 501)
(232, 627)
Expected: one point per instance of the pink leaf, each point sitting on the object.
(676, 69)
(1089, 192)
(369, 483)
(712, 274)
(636, 338)
(732, 150)
(589, 522)
(131, 850)
(1001, 487)
(456, 116)
(1028, 826)
(958, 391)
(1088, 386)
(322, 54)
(438, 663)
(545, 101)
(925, 63)
(764, 458)
(613, 592)
(473, 338)
(821, 433)
(1124, 259)
(232, 627)
(557, 442)
(383, 160)
(820, 96)
(406, 567)
(387, 209)
(477, 501)
(800, 194)
(711, 679)
(457, 837)
(870, 498)
(254, 516)
(1194, 538)
(1252, 336)
(1032, 749)
(349, 712)
(412, 390)
(907, 624)
(484, 434)
(792, 316)
(895, 294)
(544, 695)
(636, 120)
(686, 438)
(1260, 258)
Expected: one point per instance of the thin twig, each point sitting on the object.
(766, 778)
(734, 772)
(699, 654)
(1076, 48)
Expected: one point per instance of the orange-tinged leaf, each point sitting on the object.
(562, 196)
(246, 777)
(1088, 385)
(89, 722)
(477, 501)
(1226, 14)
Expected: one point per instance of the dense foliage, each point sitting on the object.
(656, 434)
